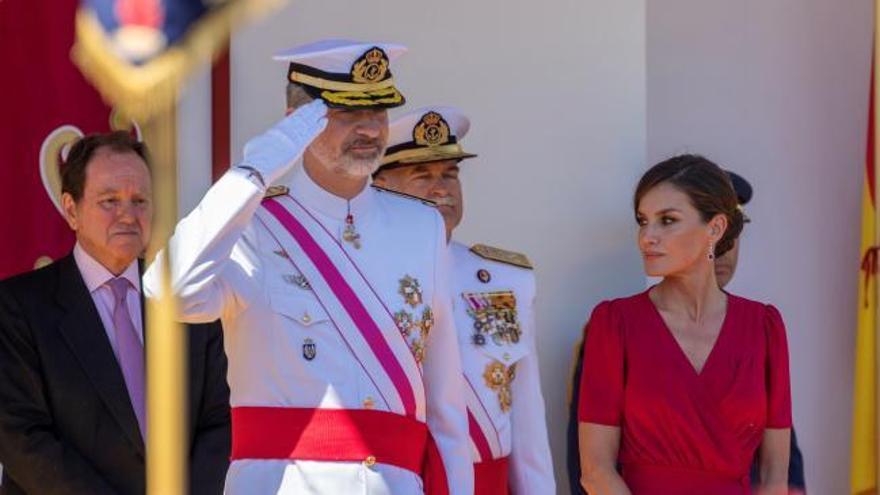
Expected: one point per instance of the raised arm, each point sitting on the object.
(206, 242)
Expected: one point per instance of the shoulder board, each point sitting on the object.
(502, 256)
(404, 195)
(273, 191)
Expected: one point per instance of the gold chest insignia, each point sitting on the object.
(410, 290)
(432, 130)
(414, 330)
(499, 378)
(502, 256)
(405, 322)
(371, 67)
(273, 191)
(494, 315)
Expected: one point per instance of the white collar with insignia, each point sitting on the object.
(315, 198)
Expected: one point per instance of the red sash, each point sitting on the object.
(490, 477)
(339, 435)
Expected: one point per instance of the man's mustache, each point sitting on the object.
(376, 143)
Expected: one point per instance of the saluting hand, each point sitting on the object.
(274, 152)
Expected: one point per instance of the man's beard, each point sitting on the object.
(346, 162)
(358, 167)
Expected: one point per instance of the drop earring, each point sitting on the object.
(711, 251)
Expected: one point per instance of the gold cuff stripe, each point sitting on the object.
(428, 152)
(317, 82)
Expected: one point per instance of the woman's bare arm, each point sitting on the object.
(598, 446)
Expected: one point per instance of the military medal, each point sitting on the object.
(414, 331)
(410, 290)
(405, 322)
(483, 275)
(350, 234)
(494, 315)
(499, 378)
(427, 322)
(310, 350)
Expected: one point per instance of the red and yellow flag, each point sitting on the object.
(864, 469)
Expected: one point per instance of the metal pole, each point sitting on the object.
(166, 340)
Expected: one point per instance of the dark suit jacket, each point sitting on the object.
(66, 422)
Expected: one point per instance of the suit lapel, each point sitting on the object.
(84, 332)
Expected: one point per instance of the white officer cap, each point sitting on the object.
(428, 134)
(345, 73)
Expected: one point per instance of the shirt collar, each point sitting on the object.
(316, 198)
(95, 275)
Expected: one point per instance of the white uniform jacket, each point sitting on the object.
(502, 370)
(283, 349)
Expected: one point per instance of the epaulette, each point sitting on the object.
(501, 255)
(404, 195)
(273, 191)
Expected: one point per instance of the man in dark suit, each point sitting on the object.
(72, 405)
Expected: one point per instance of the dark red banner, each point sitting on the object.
(41, 92)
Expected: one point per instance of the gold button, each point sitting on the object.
(369, 403)
(306, 318)
(370, 460)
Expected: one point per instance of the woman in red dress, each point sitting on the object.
(682, 384)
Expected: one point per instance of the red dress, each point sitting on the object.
(684, 433)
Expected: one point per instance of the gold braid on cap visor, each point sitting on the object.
(388, 96)
(320, 83)
(429, 153)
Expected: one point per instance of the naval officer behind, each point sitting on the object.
(311, 278)
(493, 297)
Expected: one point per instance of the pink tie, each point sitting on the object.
(129, 351)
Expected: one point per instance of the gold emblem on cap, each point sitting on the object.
(371, 67)
(431, 130)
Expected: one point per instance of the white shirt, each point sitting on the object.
(96, 276)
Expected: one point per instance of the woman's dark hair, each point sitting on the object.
(73, 173)
(707, 186)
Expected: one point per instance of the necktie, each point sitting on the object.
(129, 350)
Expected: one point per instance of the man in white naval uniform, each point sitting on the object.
(333, 389)
(493, 298)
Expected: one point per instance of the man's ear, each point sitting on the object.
(69, 206)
